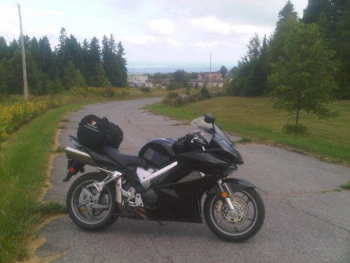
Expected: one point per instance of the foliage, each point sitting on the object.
(346, 186)
(146, 90)
(304, 77)
(72, 77)
(188, 90)
(172, 95)
(12, 117)
(296, 130)
(25, 160)
(256, 119)
(204, 93)
(181, 78)
(174, 85)
(250, 78)
(223, 70)
(69, 65)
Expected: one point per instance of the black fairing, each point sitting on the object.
(158, 152)
(221, 148)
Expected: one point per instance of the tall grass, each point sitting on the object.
(255, 119)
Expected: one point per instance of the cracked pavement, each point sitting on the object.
(306, 220)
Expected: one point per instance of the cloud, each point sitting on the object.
(206, 44)
(139, 39)
(163, 26)
(213, 25)
(173, 42)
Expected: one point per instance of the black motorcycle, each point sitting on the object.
(168, 181)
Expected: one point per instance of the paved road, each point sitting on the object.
(306, 221)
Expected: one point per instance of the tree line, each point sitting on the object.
(70, 64)
(323, 32)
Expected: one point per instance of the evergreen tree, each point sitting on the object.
(72, 76)
(314, 10)
(288, 19)
(3, 49)
(35, 50)
(223, 70)
(46, 56)
(123, 76)
(286, 12)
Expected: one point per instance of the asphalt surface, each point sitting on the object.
(306, 220)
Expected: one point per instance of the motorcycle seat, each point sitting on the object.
(124, 160)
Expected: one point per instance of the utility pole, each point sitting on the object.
(210, 74)
(25, 85)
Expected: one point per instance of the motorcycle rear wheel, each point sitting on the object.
(82, 198)
(225, 224)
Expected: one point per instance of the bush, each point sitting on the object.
(204, 92)
(296, 130)
(188, 90)
(174, 86)
(146, 90)
(109, 92)
(13, 116)
(172, 95)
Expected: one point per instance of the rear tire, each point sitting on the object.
(211, 201)
(74, 212)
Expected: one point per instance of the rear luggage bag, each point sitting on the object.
(94, 133)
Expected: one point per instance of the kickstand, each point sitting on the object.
(160, 222)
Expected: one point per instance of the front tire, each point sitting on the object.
(88, 208)
(228, 225)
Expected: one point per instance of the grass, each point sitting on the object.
(24, 162)
(346, 186)
(59, 149)
(255, 119)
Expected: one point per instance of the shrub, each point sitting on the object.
(172, 95)
(188, 90)
(13, 116)
(109, 92)
(204, 92)
(296, 130)
(146, 90)
(174, 86)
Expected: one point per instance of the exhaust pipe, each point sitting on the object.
(80, 156)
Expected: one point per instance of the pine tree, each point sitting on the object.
(123, 76)
(3, 49)
(72, 77)
(223, 70)
(287, 20)
(46, 56)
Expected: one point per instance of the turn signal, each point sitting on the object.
(224, 194)
(71, 170)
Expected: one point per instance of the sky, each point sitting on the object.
(156, 34)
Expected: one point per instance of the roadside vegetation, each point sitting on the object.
(15, 112)
(25, 160)
(256, 119)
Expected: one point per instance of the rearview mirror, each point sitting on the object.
(208, 118)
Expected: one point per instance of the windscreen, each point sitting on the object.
(208, 127)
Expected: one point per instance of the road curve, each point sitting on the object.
(306, 220)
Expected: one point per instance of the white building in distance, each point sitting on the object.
(137, 80)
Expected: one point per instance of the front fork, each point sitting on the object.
(225, 193)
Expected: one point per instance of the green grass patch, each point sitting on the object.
(255, 119)
(59, 149)
(24, 162)
(346, 186)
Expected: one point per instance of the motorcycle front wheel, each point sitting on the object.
(239, 224)
(89, 208)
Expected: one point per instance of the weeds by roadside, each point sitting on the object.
(346, 186)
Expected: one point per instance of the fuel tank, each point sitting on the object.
(158, 152)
